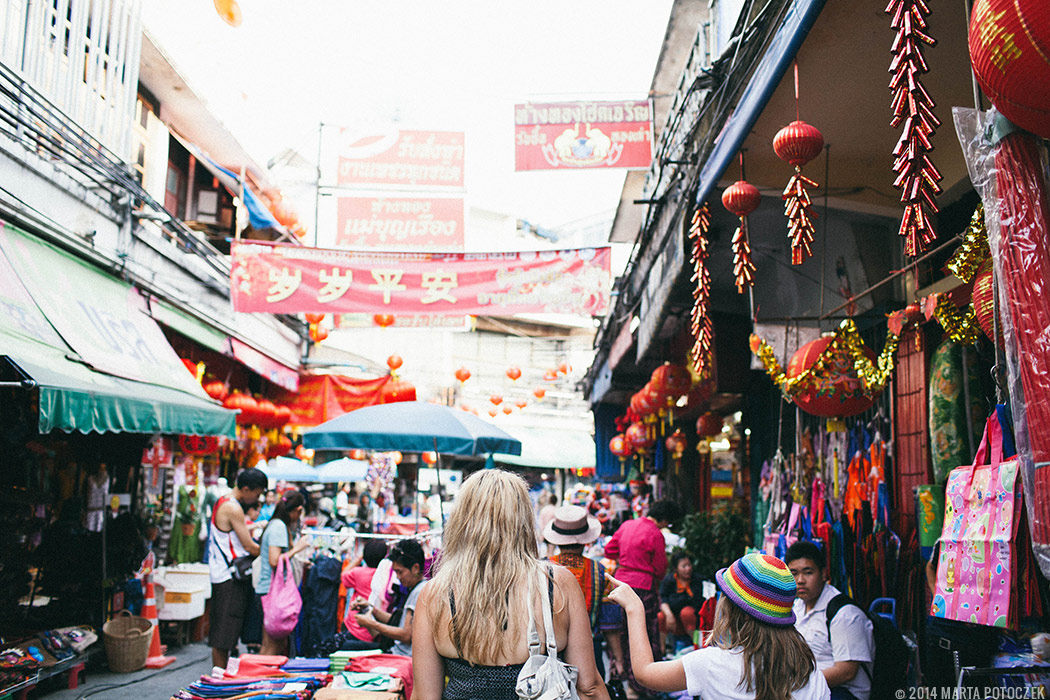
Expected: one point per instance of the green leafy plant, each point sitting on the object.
(716, 538)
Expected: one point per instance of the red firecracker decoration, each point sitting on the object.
(742, 198)
(700, 321)
(798, 143)
(912, 106)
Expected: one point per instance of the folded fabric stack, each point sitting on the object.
(300, 687)
(305, 665)
(366, 680)
(339, 660)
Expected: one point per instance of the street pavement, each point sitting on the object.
(191, 662)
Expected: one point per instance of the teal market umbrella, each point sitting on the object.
(288, 469)
(412, 426)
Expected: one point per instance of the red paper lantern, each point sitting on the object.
(1010, 52)
(229, 11)
(798, 143)
(216, 389)
(357, 454)
(619, 446)
(676, 443)
(741, 198)
(521, 403)
(551, 375)
(429, 457)
(198, 445)
(672, 380)
(983, 305)
(397, 457)
(913, 312)
(383, 320)
(303, 453)
(285, 214)
(397, 391)
(318, 333)
(836, 391)
(462, 374)
(709, 425)
(496, 399)
(280, 447)
(394, 362)
(313, 318)
(565, 368)
(642, 403)
(282, 415)
(266, 414)
(539, 392)
(493, 412)
(638, 437)
(514, 373)
(243, 403)
(507, 409)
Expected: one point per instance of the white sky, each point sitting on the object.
(439, 64)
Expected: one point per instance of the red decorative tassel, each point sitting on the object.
(912, 106)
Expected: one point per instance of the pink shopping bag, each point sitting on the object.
(281, 605)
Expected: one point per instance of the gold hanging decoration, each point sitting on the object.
(875, 374)
(973, 251)
(960, 324)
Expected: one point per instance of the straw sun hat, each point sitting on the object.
(572, 525)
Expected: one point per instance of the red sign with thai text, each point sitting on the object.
(408, 158)
(275, 278)
(400, 222)
(574, 135)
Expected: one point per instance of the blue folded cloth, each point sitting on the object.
(306, 665)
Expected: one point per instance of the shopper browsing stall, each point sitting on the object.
(275, 545)
(407, 558)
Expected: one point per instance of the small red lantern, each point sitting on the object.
(676, 443)
(798, 143)
(709, 425)
(318, 333)
(190, 365)
(913, 312)
(514, 373)
(496, 399)
(462, 374)
(396, 391)
(397, 456)
(285, 214)
(741, 198)
(216, 389)
(493, 412)
(243, 403)
(836, 390)
(507, 409)
(383, 320)
(357, 454)
(521, 403)
(565, 368)
(620, 447)
(394, 362)
(638, 437)
(983, 305)
(313, 318)
(429, 457)
(551, 375)
(299, 230)
(539, 392)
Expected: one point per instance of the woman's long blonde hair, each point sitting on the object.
(489, 561)
(777, 660)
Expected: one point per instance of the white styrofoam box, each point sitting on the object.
(186, 576)
(181, 604)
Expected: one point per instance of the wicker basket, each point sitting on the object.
(127, 638)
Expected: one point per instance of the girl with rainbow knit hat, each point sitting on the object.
(753, 651)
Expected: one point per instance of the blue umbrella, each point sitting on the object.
(412, 426)
(288, 469)
(344, 469)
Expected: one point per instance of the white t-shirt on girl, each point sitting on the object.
(714, 674)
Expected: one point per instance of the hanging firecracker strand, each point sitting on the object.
(974, 249)
(700, 321)
(742, 198)
(960, 324)
(917, 177)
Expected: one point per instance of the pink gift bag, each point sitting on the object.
(978, 555)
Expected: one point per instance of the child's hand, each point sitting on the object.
(624, 596)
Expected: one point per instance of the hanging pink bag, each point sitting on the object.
(282, 604)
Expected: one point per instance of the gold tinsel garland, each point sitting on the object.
(960, 324)
(874, 375)
(973, 250)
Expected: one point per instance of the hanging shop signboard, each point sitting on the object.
(574, 135)
(405, 158)
(274, 278)
(396, 223)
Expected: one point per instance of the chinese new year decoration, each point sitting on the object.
(539, 392)
(229, 11)
(514, 373)
(669, 383)
(917, 177)
(1008, 50)
(507, 408)
(565, 368)
(318, 333)
(394, 362)
(383, 320)
(700, 321)
(198, 445)
(798, 143)
(742, 198)
(462, 374)
(709, 425)
(675, 445)
(496, 399)
(971, 262)
(216, 389)
(313, 318)
(521, 403)
(619, 446)
(243, 403)
(397, 390)
(357, 454)
(551, 375)
(429, 457)
(640, 440)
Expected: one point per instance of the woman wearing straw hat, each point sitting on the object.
(472, 619)
(571, 529)
(755, 652)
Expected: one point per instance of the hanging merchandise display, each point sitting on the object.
(917, 177)
(699, 320)
(742, 198)
(952, 382)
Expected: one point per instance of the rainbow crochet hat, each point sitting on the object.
(762, 586)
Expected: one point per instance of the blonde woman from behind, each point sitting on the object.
(472, 618)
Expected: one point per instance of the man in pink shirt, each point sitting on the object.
(639, 547)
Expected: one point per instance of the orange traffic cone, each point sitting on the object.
(156, 658)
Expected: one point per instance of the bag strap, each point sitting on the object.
(546, 593)
(535, 649)
(834, 605)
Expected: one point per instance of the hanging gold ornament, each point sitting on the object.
(973, 250)
(876, 374)
(960, 324)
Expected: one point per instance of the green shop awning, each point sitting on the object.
(90, 351)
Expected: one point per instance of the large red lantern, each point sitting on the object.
(1010, 52)
(397, 391)
(266, 414)
(282, 415)
(462, 374)
(672, 380)
(709, 425)
(834, 391)
(245, 404)
(620, 447)
(383, 320)
(638, 437)
(394, 362)
(216, 389)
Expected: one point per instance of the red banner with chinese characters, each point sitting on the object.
(408, 158)
(326, 396)
(418, 223)
(572, 135)
(275, 278)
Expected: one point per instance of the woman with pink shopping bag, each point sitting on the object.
(280, 596)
